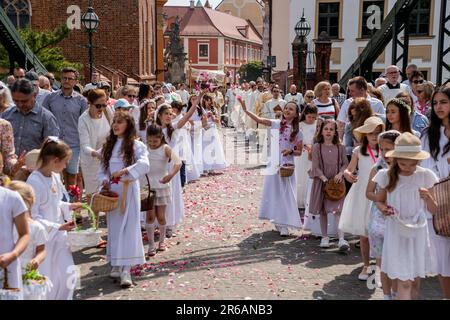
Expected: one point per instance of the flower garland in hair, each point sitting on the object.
(401, 103)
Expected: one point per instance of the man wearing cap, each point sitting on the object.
(34, 78)
(31, 123)
(68, 105)
(123, 104)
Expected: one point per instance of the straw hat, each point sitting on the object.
(408, 146)
(31, 158)
(369, 126)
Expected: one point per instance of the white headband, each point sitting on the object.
(408, 148)
(159, 109)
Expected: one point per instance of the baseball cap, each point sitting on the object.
(32, 76)
(122, 104)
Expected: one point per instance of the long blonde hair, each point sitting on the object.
(25, 191)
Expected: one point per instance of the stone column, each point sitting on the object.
(297, 48)
(323, 55)
(160, 40)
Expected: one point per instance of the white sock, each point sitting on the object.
(162, 233)
(126, 269)
(150, 234)
(387, 297)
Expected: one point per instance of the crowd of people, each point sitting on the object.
(360, 163)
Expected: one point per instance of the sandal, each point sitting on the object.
(162, 247)
(151, 252)
(102, 244)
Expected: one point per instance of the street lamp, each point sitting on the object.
(91, 22)
(302, 30)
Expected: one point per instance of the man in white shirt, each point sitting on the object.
(409, 71)
(271, 109)
(184, 94)
(357, 89)
(293, 95)
(393, 86)
(94, 83)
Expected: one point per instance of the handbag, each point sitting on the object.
(148, 199)
(334, 191)
(441, 220)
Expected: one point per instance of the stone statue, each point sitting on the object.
(175, 55)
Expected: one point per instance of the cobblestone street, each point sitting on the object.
(222, 251)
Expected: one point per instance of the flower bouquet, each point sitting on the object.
(79, 238)
(35, 285)
(8, 293)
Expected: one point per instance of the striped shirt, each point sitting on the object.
(327, 110)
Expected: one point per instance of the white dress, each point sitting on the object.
(303, 164)
(213, 153)
(93, 134)
(125, 247)
(50, 211)
(184, 146)
(440, 246)
(279, 196)
(356, 210)
(406, 251)
(197, 142)
(158, 170)
(11, 206)
(175, 209)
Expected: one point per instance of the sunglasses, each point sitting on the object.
(418, 81)
(419, 91)
(309, 97)
(100, 106)
(131, 96)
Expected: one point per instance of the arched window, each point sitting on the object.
(19, 11)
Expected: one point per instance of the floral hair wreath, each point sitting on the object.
(400, 103)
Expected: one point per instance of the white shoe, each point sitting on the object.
(363, 276)
(343, 245)
(284, 232)
(325, 242)
(125, 280)
(115, 272)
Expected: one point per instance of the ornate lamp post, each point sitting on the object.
(91, 22)
(302, 30)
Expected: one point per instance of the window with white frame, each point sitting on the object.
(203, 50)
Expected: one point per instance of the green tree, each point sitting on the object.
(251, 71)
(44, 44)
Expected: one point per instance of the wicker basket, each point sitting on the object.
(8, 293)
(105, 201)
(441, 220)
(286, 171)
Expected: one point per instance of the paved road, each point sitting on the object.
(222, 251)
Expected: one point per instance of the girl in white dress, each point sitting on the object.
(279, 198)
(308, 125)
(52, 213)
(148, 108)
(356, 210)
(198, 122)
(124, 162)
(159, 155)
(213, 154)
(386, 141)
(436, 140)
(35, 253)
(171, 130)
(405, 199)
(12, 216)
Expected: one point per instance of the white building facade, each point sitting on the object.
(350, 24)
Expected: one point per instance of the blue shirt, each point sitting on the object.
(31, 130)
(419, 122)
(67, 111)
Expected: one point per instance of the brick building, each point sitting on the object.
(126, 43)
(214, 40)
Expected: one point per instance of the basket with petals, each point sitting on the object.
(105, 201)
(35, 285)
(79, 238)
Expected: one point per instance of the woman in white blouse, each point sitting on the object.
(94, 127)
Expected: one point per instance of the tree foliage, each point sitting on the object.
(44, 44)
(251, 71)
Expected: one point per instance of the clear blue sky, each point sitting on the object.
(213, 3)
